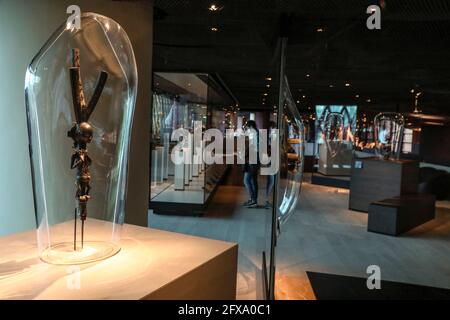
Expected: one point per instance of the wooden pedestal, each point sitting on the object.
(397, 215)
(152, 264)
(374, 179)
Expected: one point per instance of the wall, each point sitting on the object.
(24, 27)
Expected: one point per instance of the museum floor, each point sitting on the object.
(322, 236)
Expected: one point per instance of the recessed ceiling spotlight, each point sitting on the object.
(357, 96)
(268, 85)
(320, 29)
(214, 7)
(298, 101)
(214, 29)
(412, 91)
(331, 86)
(268, 78)
(308, 75)
(265, 94)
(347, 84)
(369, 100)
(304, 97)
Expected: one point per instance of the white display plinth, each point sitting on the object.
(152, 264)
(166, 159)
(195, 166)
(191, 158)
(154, 173)
(187, 166)
(160, 165)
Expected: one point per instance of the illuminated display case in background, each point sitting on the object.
(184, 101)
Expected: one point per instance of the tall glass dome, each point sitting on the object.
(388, 127)
(80, 94)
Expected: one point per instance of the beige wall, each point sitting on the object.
(25, 25)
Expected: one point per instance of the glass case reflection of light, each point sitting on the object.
(31, 79)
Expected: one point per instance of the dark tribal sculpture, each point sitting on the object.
(82, 134)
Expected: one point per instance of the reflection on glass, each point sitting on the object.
(292, 148)
(103, 47)
(388, 128)
(348, 113)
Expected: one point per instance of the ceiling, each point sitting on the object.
(380, 67)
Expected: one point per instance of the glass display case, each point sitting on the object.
(335, 129)
(388, 131)
(181, 181)
(80, 94)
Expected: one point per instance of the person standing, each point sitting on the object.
(251, 165)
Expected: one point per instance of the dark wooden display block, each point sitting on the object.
(400, 214)
(375, 179)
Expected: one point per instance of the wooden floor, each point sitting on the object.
(322, 236)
